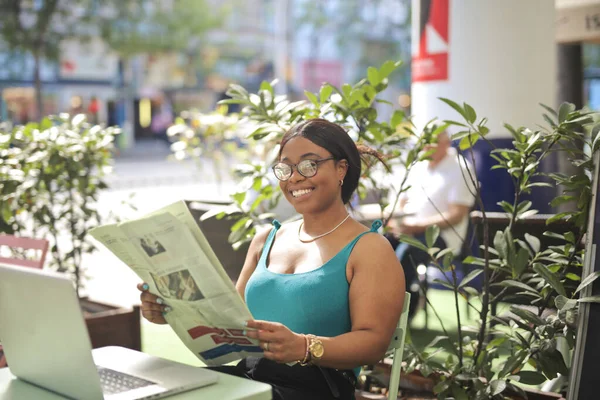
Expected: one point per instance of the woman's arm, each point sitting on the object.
(376, 296)
(252, 257)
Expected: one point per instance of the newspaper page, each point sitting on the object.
(167, 250)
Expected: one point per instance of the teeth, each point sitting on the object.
(298, 193)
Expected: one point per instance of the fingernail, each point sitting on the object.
(159, 300)
(245, 323)
(244, 332)
(145, 286)
(167, 309)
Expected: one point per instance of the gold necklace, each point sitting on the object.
(312, 239)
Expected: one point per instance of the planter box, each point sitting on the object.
(110, 325)
(415, 386)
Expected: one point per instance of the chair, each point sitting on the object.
(23, 243)
(396, 347)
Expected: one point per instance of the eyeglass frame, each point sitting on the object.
(292, 166)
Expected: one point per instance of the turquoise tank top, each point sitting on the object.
(314, 302)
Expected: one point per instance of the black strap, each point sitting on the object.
(335, 391)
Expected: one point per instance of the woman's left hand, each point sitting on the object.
(278, 342)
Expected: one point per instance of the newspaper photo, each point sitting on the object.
(168, 251)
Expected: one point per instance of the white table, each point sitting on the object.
(227, 388)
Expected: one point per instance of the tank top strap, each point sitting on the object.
(269, 241)
(374, 228)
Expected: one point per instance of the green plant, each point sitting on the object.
(51, 174)
(352, 106)
(474, 368)
(549, 278)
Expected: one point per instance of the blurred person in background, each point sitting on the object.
(440, 193)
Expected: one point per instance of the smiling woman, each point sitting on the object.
(326, 292)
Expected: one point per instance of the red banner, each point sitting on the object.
(430, 63)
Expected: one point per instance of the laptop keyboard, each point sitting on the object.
(114, 382)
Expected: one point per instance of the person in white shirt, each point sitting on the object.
(441, 193)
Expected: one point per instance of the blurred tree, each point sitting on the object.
(39, 27)
(379, 29)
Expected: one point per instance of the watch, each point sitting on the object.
(315, 347)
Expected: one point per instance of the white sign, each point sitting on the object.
(91, 60)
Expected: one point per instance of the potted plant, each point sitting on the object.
(475, 365)
(52, 173)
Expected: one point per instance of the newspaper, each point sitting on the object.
(167, 250)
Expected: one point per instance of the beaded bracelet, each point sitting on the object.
(305, 361)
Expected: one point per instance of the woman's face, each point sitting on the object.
(317, 193)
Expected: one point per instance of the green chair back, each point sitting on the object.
(396, 347)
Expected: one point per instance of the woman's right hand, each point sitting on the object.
(153, 307)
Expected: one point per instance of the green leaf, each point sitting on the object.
(520, 262)
(397, 119)
(239, 197)
(431, 235)
(311, 96)
(590, 299)
(459, 393)
(564, 110)
(564, 304)
(455, 106)
(373, 76)
(387, 68)
(588, 279)
(550, 110)
(573, 277)
(531, 377)
(468, 141)
(445, 284)
(527, 315)
(549, 277)
(533, 241)
(513, 362)
(518, 285)
(472, 275)
(497, 386)
(325, 93)
(470, 112)
(266, 86)
(412, 241)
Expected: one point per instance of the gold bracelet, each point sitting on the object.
(305, 361)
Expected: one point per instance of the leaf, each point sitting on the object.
(587, 280)
(239, 197)
(435, 341)
(266, 86)
(518, 285)
(497, 386)
(533, 241)
(431, 235)
(520, 262)
(513, 363)
(531, 377)
(325, 93)
(471, 114)
(444, 284)
(564, 304)
(412, 241)
(564, 110)
(459, 393)
(311, 96)
(455, 106)
(472, 275)
(397, 119)
(591, 299)
(373, 76)
(527, 315)
(468, 141)
(549, 277)
(550, 110)
(387, 68)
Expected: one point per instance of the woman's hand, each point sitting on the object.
(279, 343)
(153, 307)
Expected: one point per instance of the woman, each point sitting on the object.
(324, 291)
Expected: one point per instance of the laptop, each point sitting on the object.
(46, 343)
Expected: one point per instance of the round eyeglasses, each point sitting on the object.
(306, 168)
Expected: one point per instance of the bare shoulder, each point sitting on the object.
(260, 238)
(374, 250)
